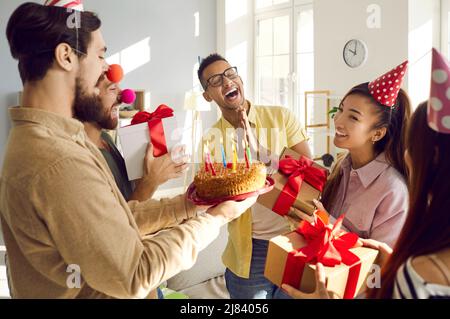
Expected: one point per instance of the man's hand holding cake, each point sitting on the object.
(229, 210)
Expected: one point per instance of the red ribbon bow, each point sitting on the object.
(155, 127)
(328, 245)
(297, 172)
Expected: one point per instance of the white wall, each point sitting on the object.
(235, 38)
(337, 21)
(409, 28)
(166, 69)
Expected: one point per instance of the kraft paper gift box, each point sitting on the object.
(337, 277)
(303, 199)
(164, 135)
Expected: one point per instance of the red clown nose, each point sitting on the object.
(115, 73)
(127, 96)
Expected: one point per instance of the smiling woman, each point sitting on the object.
(370, 123)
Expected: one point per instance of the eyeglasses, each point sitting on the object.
(52, 50)
(217, 79)
(105, 65)
(79, 52)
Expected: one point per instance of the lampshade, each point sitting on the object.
(194, 101)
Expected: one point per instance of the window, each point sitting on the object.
(262, 4)
(284, 53)
(273, 56)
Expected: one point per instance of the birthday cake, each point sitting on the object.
(228, 182)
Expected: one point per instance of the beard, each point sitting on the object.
(89, 108)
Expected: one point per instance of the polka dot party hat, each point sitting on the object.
(72, 4)
(439, 102)
(385, 89)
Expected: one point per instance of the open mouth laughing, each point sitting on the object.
(340, 134)
(231, 95)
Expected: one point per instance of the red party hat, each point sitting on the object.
(439, 102)
(385, 89)
(72, 4)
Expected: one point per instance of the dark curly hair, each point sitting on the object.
(207, 62)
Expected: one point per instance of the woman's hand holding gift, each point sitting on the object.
(385, 251)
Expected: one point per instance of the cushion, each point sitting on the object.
(212, 289)
(208, 265)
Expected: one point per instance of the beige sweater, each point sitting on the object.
(60, 206)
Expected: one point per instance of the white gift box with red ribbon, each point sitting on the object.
(163, 132)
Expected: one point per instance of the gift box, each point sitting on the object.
(298, 181)
(291, 259)
(160, 128)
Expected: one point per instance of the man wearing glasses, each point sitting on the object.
(269, 129)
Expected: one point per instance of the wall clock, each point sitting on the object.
(355, 53)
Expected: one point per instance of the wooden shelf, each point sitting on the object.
(326, 125)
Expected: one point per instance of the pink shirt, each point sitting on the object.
(374, 199)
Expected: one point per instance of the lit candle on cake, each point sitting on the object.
(247, 164)
(234, 157)
(205, 159)
(208, 159)
(247, 148)
(249, 155)
(224, 159)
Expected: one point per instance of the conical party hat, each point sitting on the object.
(72, 4)
(385, 88)
(439, 102)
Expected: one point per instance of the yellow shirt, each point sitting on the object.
(60, 206)
(275, 127)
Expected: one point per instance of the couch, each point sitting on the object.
(205, 280)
